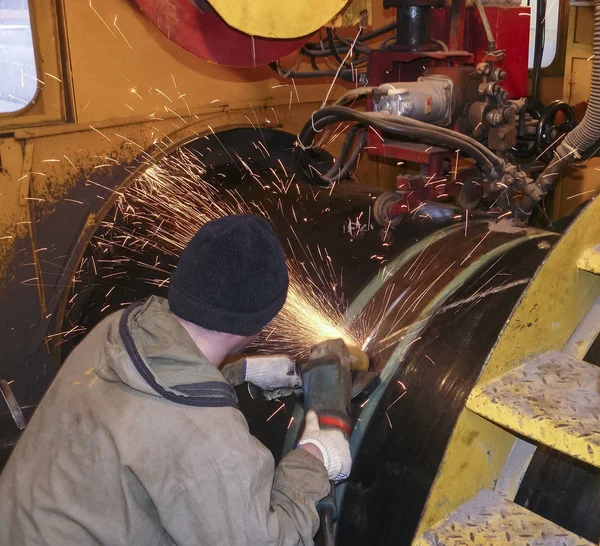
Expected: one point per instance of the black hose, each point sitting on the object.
(336, 174)
(379, 32)
(319, 53)
(310, 46)
(358, 44)
(538, 47)
(343, 165)
(399, 126)
(348, 71)
(347, 75)
(332, 47)
(381, 120)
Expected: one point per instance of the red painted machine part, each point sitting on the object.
(206, 35)
(510, 27)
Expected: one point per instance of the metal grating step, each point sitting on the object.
(553, 399)
(489, 519)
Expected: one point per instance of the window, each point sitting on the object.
(551, 33)
(18, 81)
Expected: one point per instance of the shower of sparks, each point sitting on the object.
(170, 201)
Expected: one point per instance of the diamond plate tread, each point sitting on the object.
(553, 399)
(489, 519)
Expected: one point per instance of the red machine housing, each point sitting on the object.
(510, 26)
(463, 32)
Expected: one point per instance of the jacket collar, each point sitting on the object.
(150, 351)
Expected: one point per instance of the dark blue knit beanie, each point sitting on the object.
(231, 277)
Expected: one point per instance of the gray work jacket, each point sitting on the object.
(138, 442)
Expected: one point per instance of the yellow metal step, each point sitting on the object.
(553, 399)
(491, 519)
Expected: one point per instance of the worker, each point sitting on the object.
(138, 440)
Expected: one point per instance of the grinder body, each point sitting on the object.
(326, 381)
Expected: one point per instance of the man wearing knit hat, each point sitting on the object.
(138, 440)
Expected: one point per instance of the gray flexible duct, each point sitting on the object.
(588, 131)
(575, 143)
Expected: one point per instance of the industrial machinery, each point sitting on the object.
(454, 116)
(483, 330)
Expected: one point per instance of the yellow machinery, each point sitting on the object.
(114, 94)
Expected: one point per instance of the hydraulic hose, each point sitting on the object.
(343, 165)
(575, 143)
(345, 74)
(399, 126)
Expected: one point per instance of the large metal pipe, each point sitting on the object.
(429, 302)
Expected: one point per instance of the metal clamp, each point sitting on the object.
(12, 404)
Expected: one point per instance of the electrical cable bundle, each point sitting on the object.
(389, 125)
(337, 47)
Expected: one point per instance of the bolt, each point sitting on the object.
(494, 117)
(500, 74)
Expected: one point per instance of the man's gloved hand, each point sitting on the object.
(332, 444)
(272, 373)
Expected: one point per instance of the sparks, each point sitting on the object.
(171, 200)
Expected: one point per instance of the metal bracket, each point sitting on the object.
(12, 404)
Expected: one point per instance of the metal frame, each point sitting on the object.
(539, 323)
(557, 66)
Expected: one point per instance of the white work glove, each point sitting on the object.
(332, 444)
(272, 372)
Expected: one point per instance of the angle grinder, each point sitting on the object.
(327, 387)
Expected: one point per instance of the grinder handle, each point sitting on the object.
(326, 385)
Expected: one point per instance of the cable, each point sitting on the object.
(334, 50)
(432, 132)
(396, 126)
(338, 46)
(343, 165)
(379, 32)
(347, 75)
